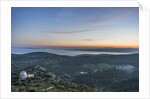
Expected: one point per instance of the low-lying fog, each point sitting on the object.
(73, 51)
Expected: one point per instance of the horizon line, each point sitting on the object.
(137, 47)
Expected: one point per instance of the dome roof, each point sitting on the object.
(23, 73)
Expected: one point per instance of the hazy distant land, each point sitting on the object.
(73, 51)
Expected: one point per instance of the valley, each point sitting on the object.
(108, 73)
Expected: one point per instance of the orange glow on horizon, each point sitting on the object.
(81, 45)
(91, 46)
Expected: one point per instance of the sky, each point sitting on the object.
(75, 26)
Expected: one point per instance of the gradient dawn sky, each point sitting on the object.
(75, 26)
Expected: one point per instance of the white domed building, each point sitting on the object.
(23, 75)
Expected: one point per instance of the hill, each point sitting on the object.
(44, 81)
(103, 72)
(60, 64)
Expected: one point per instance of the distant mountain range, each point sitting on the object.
(109, 49)
(22, 50)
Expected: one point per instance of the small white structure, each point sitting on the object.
(30, 75)
(83, 73)
(24, 75)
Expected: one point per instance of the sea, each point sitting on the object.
(74, 51)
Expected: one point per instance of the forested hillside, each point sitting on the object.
(102, 72)
(44, 81)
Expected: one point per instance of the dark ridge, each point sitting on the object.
(40, 53)
(46, 53)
